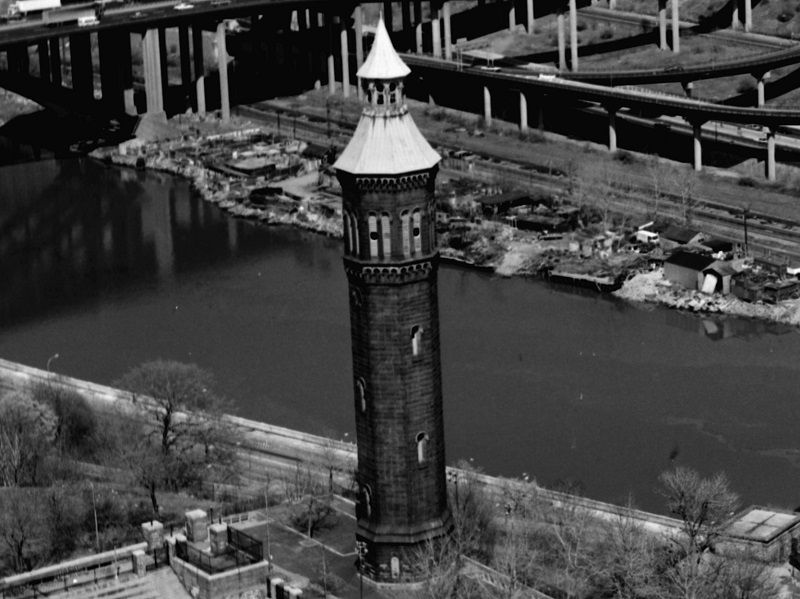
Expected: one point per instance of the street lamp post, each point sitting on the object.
(55, 356)
(361, 548)
(94, 510)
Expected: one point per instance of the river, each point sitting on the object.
(110, 267)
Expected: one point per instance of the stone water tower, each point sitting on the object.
(387, 173)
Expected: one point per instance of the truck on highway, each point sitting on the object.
(22, 8)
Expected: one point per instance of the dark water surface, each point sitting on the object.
(112, 267)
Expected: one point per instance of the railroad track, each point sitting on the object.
(770, 236)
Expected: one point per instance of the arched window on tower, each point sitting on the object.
(416, 339)
(422, 448)
(372, 221)
(348, 234)
(361, 393)
(406, 232)
(417, 232)
(366, 500)
(386, 232)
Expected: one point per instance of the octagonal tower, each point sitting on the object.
(387, 173)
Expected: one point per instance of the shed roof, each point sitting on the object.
(721, 268)
(679, 234)
(690, 260)
(503, 198)
(762, 524)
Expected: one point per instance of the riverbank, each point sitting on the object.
(314, 204)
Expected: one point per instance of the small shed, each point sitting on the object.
(686, 268)
(502, 202)
(673, 236)
(716, 278)
(768, 531)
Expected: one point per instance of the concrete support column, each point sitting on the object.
(562, 43)
(676, 28)
(512, 15)
(760, 81)
(186, 60)
(388, 16)
(405, 14)
(151, 59)
(435, 34)
(612, 128)
(418, 26)
(331, 64)
(688, 88)
(162, 53)
(358, 24)
(43, 54)
(748, 15)
(523, 113)
(222, 66)
(199, 70)
(487, 106)
(345, 52)
(770, 164)
(80, 58)
(111, 73)
(573, 33)
(529, 16)
(662, 24)
(735, 15)
(55, 61)
(697, 129)
(612, 4)
(448, 42)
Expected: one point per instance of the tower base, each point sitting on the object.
(402, 555)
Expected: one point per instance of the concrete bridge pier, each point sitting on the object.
(80, 58)
(43, 55)
(448, 41)
(345, 52)
(735, 16)
(110, 45)
(662, 24)
(697, 130)
(418, 25)
(331, 64)
(358, 25)
(573, 34)
(487, 107)
(435, 32)
(748, 15)
(562, 44)
(612, 4)
(761, 79)
(151, 62)
(523, 112)
(512, 15)
(185, 61)
(529, 16)
(770, 162)
(688, 88)
(55, 60)
(222, 66)
(676, 28)
(612, 128)
(199, 100)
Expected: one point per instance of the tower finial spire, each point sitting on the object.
(383, 61)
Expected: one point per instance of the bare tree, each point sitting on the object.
(703, 506)
(27, 432)
(23, 528)
(684, 188)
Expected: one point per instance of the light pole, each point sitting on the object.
(361, 548)
(266, 513)
(55, 356)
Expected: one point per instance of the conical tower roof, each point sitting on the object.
(386, 140)
(383, 61)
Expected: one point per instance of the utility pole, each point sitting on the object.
(94, 510)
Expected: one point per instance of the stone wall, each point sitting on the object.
(216, 586)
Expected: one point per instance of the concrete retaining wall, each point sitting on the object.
(213, 586)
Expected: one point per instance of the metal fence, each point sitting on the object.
(245, 543)
(242, 550)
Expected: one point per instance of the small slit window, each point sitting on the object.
(406, 231)
(422, 448)
(354, 226)
(386, 232)
(417, 232)
(366, 500)
(372, 220)
(416, 339)
(361, 394)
